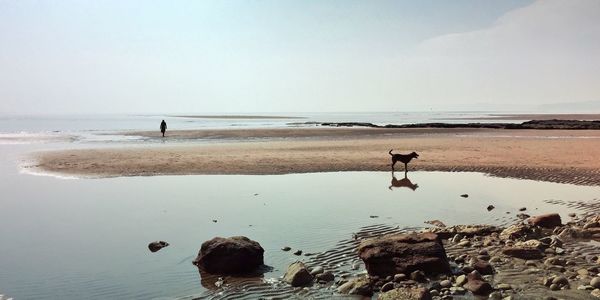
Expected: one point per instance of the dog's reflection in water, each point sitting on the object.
(404, 182)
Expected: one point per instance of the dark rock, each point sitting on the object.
(234, 255)
(387, 287)
(406, 293)
(523, 252)
(418, 276)
(297, 275)
(482, 267)
(477, 285)
(298, 252)
(286, 248)
(490, 207)
(546, 221)
(326, 276)
(404, 253)
(465, 195)
(155, 246)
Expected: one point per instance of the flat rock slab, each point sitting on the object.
(404, 253)
(234, 255)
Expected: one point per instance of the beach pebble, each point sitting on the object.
(326, 276)
(445, 283)
(317, 270)
(400, 277)
(418, 276)
(155, 246)
(596, 293)
(286, 248)
(465, 195)
(523, 209)
(495, 296)
(461, 280)
(490, 207)
(387, 287)
(298, 252)
(297, 275)
(595, 282)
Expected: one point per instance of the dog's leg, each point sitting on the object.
(405, 168)
(393, 163)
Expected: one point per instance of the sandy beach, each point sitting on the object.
(556, 155)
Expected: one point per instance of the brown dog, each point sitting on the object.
(403, 158)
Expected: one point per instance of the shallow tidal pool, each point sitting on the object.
(87, 238)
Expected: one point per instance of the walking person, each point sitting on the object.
(163, 127)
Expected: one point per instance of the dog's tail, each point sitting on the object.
(391, 151)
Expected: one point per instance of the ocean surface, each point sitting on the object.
(96, 127)
(87, 238)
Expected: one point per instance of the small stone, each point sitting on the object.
(464, 243)
(457, 238)
(297, 275)
(399, 277)
(595, 282)
(298, 252)
(465, 195)
(495, 296)
(317, 270)
(326, 276)
(554, 287)
(596, 293)
(387, 287)
(523, 209)
(445, 283)
(490, 207)
(560, 280)
(572, 215)
(585, 287)
(286, 248)
(503, 286)
(460, 280)
(418, 276)
(155, 246)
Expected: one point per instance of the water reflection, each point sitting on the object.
(404, 182)
(216, 281)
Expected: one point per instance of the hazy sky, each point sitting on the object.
(267, 56)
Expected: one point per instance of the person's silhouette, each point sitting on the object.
(163, 127)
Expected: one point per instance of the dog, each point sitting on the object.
(405, 182)
(403, 158)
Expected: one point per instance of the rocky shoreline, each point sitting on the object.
(534, 258)
(533, 124)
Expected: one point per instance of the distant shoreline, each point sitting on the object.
(527, 117)
(239, 117)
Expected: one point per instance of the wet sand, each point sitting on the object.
(555, 156)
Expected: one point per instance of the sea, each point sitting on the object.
(86, 238)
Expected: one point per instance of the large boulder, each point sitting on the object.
(406, 293)
(234, 255)
(404, 253)
(297, 275)
(546, 221)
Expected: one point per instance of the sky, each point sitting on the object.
(63, 57)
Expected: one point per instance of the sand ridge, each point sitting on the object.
(557, 156)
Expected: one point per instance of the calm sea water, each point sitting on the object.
(87, 238)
